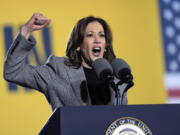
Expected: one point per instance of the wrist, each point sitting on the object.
(25, 32)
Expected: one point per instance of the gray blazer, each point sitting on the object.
(62, 85)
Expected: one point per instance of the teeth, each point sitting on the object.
(96, 49)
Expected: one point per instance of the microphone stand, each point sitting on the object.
(110, 80)
(117, 93)
(128, 79)
(130, 84)
(119, 98)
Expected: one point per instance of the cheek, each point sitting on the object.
(86, 47)
(84, 50)
(104, 47)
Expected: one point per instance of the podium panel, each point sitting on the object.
(95, 120)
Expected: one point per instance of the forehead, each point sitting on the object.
(94, 26)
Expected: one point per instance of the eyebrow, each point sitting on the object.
(93, 32)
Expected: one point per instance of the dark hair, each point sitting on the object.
(76, 39)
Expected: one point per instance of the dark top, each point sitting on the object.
(98, 90)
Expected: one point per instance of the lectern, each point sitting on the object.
(162, 119)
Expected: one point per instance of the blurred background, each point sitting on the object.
(146, 34)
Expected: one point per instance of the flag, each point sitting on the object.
(170, 26)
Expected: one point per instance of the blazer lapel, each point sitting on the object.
(77, 76)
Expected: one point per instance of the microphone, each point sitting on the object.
(122, 70)
(103, 70)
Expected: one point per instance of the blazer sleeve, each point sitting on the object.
(16, 71)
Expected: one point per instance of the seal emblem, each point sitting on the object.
(128, 126)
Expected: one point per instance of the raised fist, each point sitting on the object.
(37, 22)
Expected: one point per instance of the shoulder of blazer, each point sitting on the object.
(52, 59)
(56, 63)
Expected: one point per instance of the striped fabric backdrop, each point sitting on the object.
(170, 20)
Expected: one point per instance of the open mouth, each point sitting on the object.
(96, 51)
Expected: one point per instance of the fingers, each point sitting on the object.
(40, 21)
(37, 22)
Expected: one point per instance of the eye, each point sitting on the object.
(102, 35)
(89, 35)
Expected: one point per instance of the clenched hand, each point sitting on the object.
(37, 22)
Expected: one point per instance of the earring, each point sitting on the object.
(78, 49)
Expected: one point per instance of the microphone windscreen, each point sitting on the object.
(119, 67)
(102, 68)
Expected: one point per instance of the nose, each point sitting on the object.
(97, 39)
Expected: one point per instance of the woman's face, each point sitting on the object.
(93, 45)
